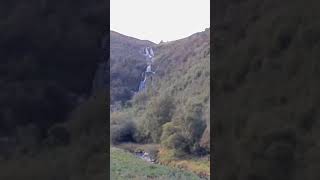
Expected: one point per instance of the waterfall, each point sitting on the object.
(147, 74)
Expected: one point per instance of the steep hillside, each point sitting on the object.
(183, 73)
(266, 90)
(183, 67)
(126, 65)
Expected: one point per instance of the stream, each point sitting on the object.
(145, 156)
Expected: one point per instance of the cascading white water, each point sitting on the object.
(149, 54)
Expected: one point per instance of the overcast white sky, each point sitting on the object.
(157, 20)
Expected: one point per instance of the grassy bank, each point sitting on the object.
(200, 166)
(124, 165)
(197, 165)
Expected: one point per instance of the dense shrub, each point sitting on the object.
(123, 132)
(158, 112)
(184, 133)
(168, 129)
(178, 143)
(172, 138)
(142, 134)
(192, 121)
(122, 128)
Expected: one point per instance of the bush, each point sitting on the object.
(122, 132)
(122, 128)
(178, 143)
(185, 132)
(142, 135)
(168, 130)
(192, 121)
(158, 113)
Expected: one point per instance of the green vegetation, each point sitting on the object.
(175, 112)
(122, 127)
(200, 166)
(159, 112)
(125, 166)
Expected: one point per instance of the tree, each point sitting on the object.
(192, 121)
(158, 113)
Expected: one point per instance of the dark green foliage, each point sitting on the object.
(178, 143)
(168, 129)
(185, 132)
(122, 127)
(172, 138)
(192, 122)
(158, 112)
